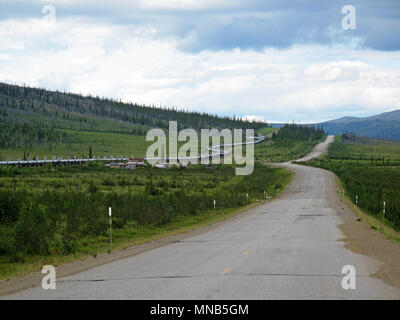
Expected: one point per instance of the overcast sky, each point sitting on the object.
(279, 60)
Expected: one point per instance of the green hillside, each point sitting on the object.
(40, 123)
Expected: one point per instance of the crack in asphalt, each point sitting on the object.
(211, 275)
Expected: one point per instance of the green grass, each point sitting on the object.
(130, 235)
(267, 131)
(281, 151)
(363, 149)
(102, 143)
(57, 192)
(113, 143)
(370, 170)
(78, 178)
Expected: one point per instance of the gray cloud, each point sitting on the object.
(294, 61)
(252, 24)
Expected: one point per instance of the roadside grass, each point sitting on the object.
(369, 170)
(130, 235)
(373, 222)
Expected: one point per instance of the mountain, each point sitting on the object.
(382, 126)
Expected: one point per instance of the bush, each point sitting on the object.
(54, 222)
(108, 182)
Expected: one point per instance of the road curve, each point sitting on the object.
(289, 248)
(319, 149)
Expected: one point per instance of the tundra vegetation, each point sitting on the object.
(369, 170)
(288, 143)
(62, 211)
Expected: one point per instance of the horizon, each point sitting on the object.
(249, 118)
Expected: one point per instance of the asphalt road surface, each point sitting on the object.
(289, 248)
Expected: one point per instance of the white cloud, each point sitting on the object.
(149, 4)
(301, 83)
(185, 4)
(336, 71)
(254, 118)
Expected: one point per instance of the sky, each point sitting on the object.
(274, 60)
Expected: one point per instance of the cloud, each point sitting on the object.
(279, 62)
(336, 71)
(254, 118)
(227, 24)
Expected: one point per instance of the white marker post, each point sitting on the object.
(215, 202)
(356, 200)
(109, 215)
(247, 197)
(383, 216)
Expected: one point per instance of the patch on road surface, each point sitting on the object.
(310, 216)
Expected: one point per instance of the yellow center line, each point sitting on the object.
(225, 271)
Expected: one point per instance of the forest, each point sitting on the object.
(67, 110)
(292, 131)
(26, 135)
(45, 123)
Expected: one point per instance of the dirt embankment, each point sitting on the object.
(360, 238)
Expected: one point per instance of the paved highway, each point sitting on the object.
(288, 248)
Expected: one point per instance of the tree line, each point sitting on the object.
(75, 107)
(28, 135)
(299, 132)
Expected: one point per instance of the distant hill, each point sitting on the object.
(38, 122)
(277, 125)
(19, 104)
(382, 126)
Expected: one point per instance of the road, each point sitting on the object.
(289, 248)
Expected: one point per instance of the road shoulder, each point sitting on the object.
(360, 237)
